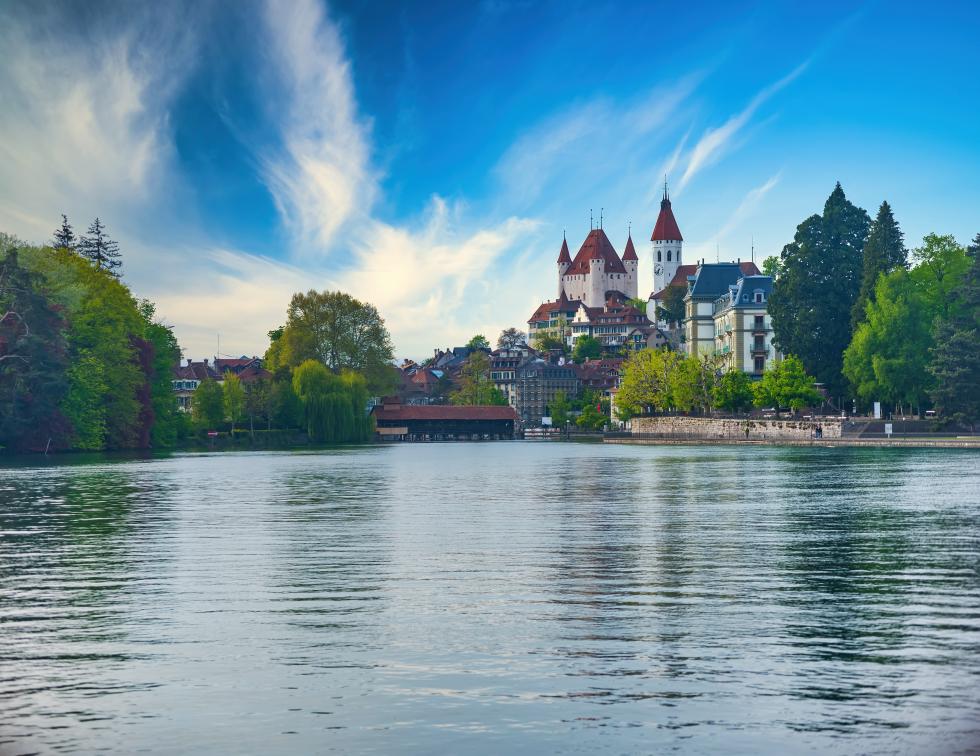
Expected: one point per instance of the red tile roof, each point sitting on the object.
(563, 256)
(397, 412)
(630, 251)
(562, 304)
(666, 228)
(596, 247)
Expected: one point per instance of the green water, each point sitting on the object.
(493, 598)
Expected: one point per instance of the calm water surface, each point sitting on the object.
(494, 598)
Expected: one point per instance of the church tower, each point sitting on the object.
(564, 261)
(666, 242)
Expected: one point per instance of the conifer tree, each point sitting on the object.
(99, 249)
(884, 251)
(64, 237)
(819, 280)
(956, 354)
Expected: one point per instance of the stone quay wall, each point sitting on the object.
(735, 429)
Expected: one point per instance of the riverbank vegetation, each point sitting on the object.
(83, 363)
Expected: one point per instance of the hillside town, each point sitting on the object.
(575, 345)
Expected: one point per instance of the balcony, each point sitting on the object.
(760, 350)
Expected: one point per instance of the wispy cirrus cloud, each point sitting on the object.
(713, 142)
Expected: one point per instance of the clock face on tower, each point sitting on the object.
(658, 269)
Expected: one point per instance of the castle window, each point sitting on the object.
(659, 258)
(668, 255)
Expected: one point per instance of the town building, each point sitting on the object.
(537, 383)
(616, 325)
(504, 364)
(743, 328)
(186, 379)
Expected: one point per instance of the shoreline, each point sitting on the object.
(880, 443)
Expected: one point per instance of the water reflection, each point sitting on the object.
(493, 598)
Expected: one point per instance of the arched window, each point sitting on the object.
(668, 255)
(659, 256)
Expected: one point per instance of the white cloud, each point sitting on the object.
(714, 141)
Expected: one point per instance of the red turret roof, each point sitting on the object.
(596, 247)
(563, 256)
(666, 228)
(630, 252)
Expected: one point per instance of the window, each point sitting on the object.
(659, 255)
(760, 364)
(760, 322)
(758, 296)
(668, 255)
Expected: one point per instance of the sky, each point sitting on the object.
(428, 157)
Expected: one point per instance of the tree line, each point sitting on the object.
(873, 322)
(83, 363)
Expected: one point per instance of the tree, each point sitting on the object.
(33, 361)
(64, 237)
(646, 382)
(941, 264)
(770, 267)
(234, 399)
(956, 355)
(733, 391)
(818, 283)
(208, 405)
(99, 249)
(340, 332)
(691, 383)
(887, 358)
(285, 408)
(165, 354)
(884, 251)
(591, 417)
(586, 348)
(559, 409)
(670, 308)
(786, 384)
(546, 342)
(475, 386)
(478, 342)
(258, 402)
(511, 338)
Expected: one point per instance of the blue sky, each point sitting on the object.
(427, 157)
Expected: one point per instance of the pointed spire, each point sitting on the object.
(666, 228)
(564, 256)
(630, 252)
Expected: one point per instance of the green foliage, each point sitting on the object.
(818, 283)
(33, 361)
(955, 361)
(166, 353)
(234, 399)
(691, 383)
(208, 405)
(733, 391)
(285, 407)
(475, 386)
(338, 331)
(941, 264)
(771, 267)
(886, 360)
(591, 418)
(559, 409)
(99, 249)
(646, 382)
(334, 405)
(83, 406)
(545, 342)
(671, 307)
(478, 342)
(884, 251)
(586, 348)
(786, 384)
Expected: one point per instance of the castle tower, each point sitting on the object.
(564, 261)
(630, 262)
(666, 243)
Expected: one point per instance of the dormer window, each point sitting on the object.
(758, 297)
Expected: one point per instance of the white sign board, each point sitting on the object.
(888, 429)
(877, 410)
(546, 421)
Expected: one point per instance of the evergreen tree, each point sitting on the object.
(883, 252)
(64, 237)
(818, 283)
(99, 249)
(956, 354)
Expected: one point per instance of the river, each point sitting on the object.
(510, 597)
